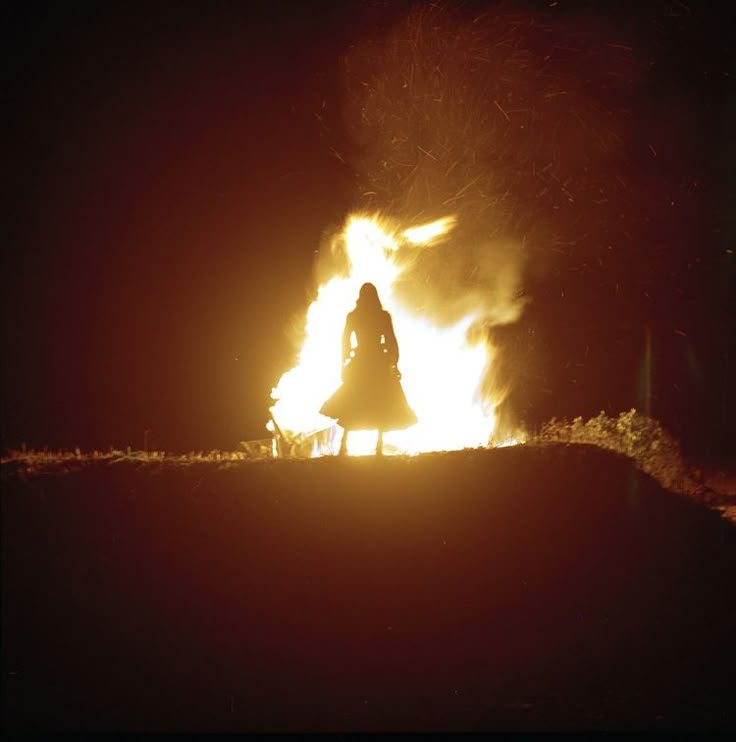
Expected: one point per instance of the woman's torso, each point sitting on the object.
(370, 332)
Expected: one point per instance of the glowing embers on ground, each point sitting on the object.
(443, 368)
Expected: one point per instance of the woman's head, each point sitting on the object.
(368, 298)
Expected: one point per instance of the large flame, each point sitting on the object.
(443, 368)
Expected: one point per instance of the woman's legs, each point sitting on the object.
(344, 442)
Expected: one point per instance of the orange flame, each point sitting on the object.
(443, 368)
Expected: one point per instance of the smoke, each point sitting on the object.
(503, 119)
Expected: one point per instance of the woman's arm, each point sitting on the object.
(346, 333)
(389, 339)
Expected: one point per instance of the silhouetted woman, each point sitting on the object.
(371, 397)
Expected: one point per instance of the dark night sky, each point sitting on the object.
(170, 183)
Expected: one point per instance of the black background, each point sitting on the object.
(169, 183)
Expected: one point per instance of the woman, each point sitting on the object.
(371, 397)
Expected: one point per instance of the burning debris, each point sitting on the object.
(290, 444)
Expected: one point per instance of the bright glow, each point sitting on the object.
(427, 233)
(442, 368)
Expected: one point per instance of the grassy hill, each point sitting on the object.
(536, 587)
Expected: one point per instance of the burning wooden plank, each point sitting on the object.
(291, 444)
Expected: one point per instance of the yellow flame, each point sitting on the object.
(427, 233)
(442, 368)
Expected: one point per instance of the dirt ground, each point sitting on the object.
(526, 588)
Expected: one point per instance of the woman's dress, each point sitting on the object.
(371, 396)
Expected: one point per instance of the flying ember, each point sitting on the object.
(444, 369)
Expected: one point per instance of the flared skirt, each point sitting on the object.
(370, 398)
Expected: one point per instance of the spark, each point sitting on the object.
(424, 151)
(462, 190)
(505, 115)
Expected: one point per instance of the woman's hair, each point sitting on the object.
(368, 300)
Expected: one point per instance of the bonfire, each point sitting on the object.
(445, 368)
